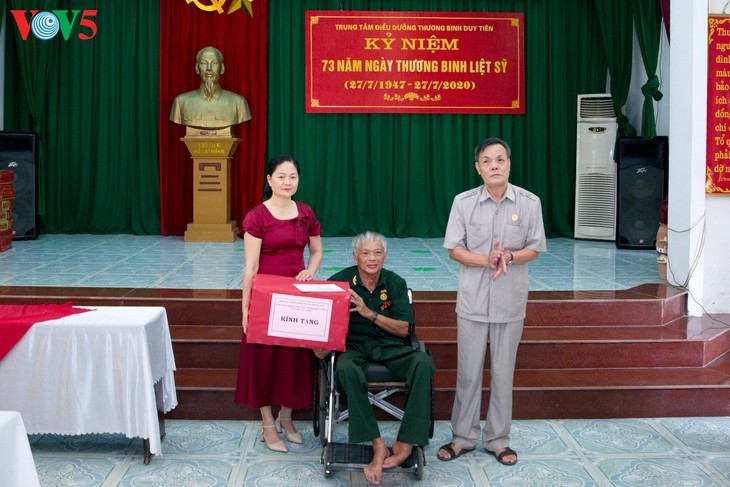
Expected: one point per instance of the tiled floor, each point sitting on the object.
(658, 452)
(553, 453)
(169, 262)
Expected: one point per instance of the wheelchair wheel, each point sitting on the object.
(421, 463)
(323, 409)
(433, 414)
(315, 401)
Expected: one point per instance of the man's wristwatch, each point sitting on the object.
(375, 317)
(511, 258)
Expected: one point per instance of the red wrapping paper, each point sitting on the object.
(281, 314)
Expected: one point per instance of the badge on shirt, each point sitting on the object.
(514, 217)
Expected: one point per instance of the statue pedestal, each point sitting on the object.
(211, 189)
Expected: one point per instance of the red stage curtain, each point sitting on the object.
(665, 15)
(184, 30)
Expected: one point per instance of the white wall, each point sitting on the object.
(687, 149)
(717, 258)
(635, 102)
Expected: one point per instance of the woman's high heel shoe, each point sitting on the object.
(295, 437)
(278, 446)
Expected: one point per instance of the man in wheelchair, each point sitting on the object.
(380, 317)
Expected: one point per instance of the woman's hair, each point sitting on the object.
(269, 169)
(368, 236)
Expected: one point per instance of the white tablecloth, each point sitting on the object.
(16, 462)
(93, 372)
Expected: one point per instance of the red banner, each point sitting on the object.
(414, 62)
(718, 105)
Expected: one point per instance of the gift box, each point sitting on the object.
(291, 313)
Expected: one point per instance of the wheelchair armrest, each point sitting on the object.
(412, 338)
(413, 341)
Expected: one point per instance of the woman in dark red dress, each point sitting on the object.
(276, 233)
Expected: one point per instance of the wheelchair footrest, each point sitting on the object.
(355, 453)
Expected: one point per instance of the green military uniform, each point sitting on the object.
(367, 342)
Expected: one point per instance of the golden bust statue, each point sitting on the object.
(210, 106)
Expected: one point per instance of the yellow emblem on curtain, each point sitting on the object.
(217, 6)
(237, 5)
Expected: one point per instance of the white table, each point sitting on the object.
(105, 371)
(16, 461)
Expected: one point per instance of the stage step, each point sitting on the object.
(200, 347)
(584, 354)
(647, 304)
(685, 342)
(538, 393)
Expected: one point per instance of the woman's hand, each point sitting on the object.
(304, 275)
(244, 323)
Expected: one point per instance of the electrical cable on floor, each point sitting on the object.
(693, 266)
(700, 247)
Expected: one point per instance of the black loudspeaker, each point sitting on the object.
(19, 153)
(642, 185)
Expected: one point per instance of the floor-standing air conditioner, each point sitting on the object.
(595, 172)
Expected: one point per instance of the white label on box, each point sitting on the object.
(319, 288)
(300, 317)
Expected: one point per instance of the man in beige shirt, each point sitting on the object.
(493, 232)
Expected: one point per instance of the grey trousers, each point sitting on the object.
(504, 338)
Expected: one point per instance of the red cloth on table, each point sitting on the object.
(16, 320)
(269, 374)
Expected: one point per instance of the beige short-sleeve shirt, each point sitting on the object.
(476, 222)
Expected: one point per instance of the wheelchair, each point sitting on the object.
(382, 384)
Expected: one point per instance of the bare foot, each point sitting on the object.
(401, 451)
(374, 470)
